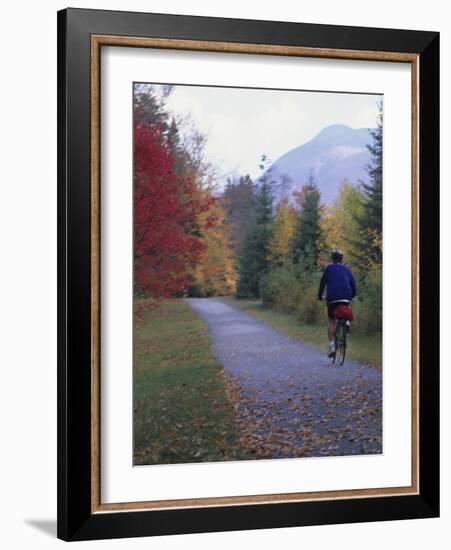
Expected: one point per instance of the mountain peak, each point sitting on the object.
(333, 130)
(341, 132)
(336, 153)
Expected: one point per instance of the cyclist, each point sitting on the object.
(341, 289)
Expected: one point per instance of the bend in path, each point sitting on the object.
(290, 400)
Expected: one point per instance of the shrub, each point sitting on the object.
(280, 290)
(291, 291)
(368, 304)
(195, 290)
(310, 310)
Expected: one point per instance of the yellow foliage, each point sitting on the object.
(283, 228)
(339, 222)
(215, 274)
(331, 230)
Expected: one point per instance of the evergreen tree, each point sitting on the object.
(369, 246)
(308, 235)
(183, 162)
(239, 203)
(149, 108)
(173, 137)
(253, 260)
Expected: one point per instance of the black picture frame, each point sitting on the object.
(76, 520)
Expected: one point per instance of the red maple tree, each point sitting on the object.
(167, 205)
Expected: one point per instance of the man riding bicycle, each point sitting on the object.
(341, 289)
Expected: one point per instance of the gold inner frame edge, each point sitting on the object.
(97, 41)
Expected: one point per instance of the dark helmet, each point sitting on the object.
(337, 255)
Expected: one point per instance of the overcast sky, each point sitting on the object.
(242, 124)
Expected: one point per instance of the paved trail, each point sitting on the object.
(290, 400)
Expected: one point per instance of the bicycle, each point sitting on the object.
(340, 342)
(341, 333)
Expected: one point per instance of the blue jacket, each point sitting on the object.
(340, 283)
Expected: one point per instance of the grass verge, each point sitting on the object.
(182, 412)
(365, 349)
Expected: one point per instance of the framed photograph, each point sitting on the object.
(248, 274)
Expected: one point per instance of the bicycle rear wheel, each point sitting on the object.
(334, 356)
(340, 345)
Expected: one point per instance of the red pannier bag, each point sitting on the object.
(344, 312)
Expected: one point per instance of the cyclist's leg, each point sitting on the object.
(331, 328)
(332, 322)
